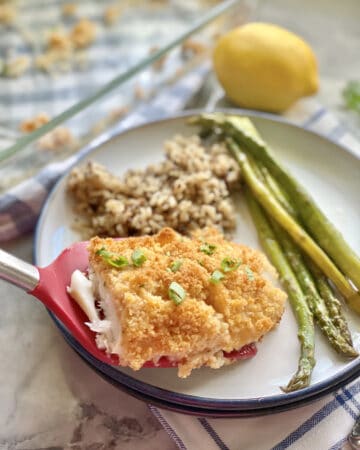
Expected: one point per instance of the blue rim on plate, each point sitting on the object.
(190, 403)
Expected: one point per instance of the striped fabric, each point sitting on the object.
(322, 425)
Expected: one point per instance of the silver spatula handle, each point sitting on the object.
(18, 272)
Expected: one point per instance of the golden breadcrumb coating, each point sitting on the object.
(211, 319)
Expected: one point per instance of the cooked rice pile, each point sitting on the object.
(190, 189)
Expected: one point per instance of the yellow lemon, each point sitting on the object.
(264, 66)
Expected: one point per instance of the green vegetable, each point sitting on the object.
(325, 307)
(176, 293)
(299, 235)
(332, 303)
(278, 193)
(295, 221)
(216, 277)
(320, 228)
(228, 264)
(113, 259)
(351, 95)
(249, 273)
(306, 334)
(207, 248)
(138, 257)
(314, 300)
(175, 265)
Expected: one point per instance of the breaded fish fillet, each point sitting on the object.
(189, 299)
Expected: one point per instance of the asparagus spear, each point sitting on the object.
(278, 193)
(332, 303)
(328, 237)
(315, 302)
(327, 297)
(331, 321)
(297, 299)
(277, 212)
(324, 317)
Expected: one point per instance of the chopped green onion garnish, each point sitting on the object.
(207, 248)
(138, 257)
(113, 259)
(351, 95)
(175, 265)
(249, 273)
(216, 276)
(176, 293)
(228, 264)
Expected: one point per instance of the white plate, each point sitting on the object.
(328, 171)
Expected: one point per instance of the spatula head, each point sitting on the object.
(52, 291)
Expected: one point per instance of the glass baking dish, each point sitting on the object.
(126, 34)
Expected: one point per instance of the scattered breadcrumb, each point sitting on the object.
(69, 9)
(189, 189)
(139, 92)
(98, 127)
(112, 14)
(179, 72)
(58, 54)
(45, 61)
(32, 124)
(158, 64)
(211, 318)
(192, 47)
(16, 66)
(54, 60)
(57, 139)
(83, 34)
(8, 14)
(59, 40)
(118, 113)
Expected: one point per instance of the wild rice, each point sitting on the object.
(190, 189)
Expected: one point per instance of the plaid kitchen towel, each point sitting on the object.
(322, 425)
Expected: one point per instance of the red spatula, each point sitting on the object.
(49, 285)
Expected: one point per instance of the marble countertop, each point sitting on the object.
(49, 398)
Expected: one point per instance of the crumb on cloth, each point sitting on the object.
(83, 33)
(159, 63)
(69, 9)
(193, 47)
(32, 124)
(57, 139)
(16, 66)
(112, 14)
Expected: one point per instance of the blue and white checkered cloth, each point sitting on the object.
(322, 425)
